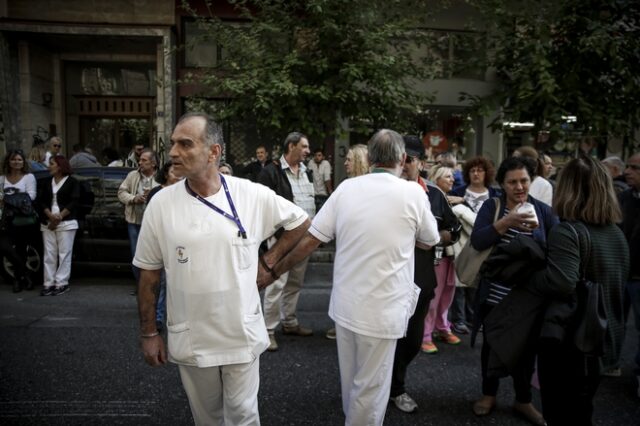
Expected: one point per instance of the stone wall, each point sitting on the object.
(139, 12)
(9, 98)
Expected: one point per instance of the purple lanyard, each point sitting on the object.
(241, 232)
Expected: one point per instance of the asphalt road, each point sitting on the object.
(74, 360)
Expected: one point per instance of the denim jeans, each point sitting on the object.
(134, 231)
(161, 304)
(633, 291)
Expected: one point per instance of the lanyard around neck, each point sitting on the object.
(241, 232)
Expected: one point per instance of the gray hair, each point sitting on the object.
(294, 138)
(448, 159)
(615, 162)
(386, 148)
(212, 131)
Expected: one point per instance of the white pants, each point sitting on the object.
(223, 395)
(366, 364)
(58, 247)
(281, 298)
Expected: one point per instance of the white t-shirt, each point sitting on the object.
(213, 304)
(321, 174)
(541, 189)
(26, 184)
(376, 220)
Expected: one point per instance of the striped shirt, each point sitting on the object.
(498, 291)
(301, 187)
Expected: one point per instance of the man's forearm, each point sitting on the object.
(303, 249)
(285, 243)
(147, 298)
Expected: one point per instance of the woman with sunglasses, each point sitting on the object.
(57, 204)
(16, 178)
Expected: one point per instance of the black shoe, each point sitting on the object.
(133, 292)
(59, 290)
(17, 286)
(47, 291)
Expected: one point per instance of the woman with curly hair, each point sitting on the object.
(357, 161)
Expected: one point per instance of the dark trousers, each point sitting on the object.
(568, 383)
(521, 375)
(461, 310)
(409, 346)
(13, 254)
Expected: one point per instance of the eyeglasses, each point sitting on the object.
(57, 145)
(634, 166)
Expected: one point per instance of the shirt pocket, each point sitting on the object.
(244, 250)
(179, 339)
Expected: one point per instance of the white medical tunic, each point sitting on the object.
(213, 305)
(376, 220)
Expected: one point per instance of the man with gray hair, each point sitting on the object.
(376, 219)
(615, 166)
(205, 232)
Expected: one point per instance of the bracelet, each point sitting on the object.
(269, 270)
(148, 336)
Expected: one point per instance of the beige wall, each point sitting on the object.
(157, 12)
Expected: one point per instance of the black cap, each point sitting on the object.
(413, 146)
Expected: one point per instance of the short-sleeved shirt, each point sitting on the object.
(376, 220)
(321, 174)
(213, 305)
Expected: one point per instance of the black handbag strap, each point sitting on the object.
(584, 242)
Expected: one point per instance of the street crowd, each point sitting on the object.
(424, 252)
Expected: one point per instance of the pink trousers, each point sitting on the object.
(438, 309)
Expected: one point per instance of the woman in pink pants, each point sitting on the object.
(436, 324)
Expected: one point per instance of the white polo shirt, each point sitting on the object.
(213, 305)
(376, 220)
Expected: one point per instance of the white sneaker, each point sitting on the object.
(405, 403)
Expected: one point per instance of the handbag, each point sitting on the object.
(469, 261)
(590, 319)
(18, 210)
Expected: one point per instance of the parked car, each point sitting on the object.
(102, 242)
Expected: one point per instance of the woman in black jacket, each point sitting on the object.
(587, 238)
(58, 202)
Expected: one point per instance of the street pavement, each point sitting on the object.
(74, 360)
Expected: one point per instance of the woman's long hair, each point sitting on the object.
(584, 192)
(360, 160)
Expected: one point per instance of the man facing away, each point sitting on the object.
(252, 171)
(205, 232)
(376, 219)
(322, 185)
(288, 178)
(82, 158)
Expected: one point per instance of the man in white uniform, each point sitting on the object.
(205, 233)
(376, 219)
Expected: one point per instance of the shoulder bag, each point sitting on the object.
(469, 261)
(590, 320)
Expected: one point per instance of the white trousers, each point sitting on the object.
(281, 298)
(58, 248)
(366, 364)
(223, 395)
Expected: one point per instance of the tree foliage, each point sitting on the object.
(299, 64)
(558, 58)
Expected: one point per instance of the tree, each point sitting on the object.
(559, 58)
(301, 64)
